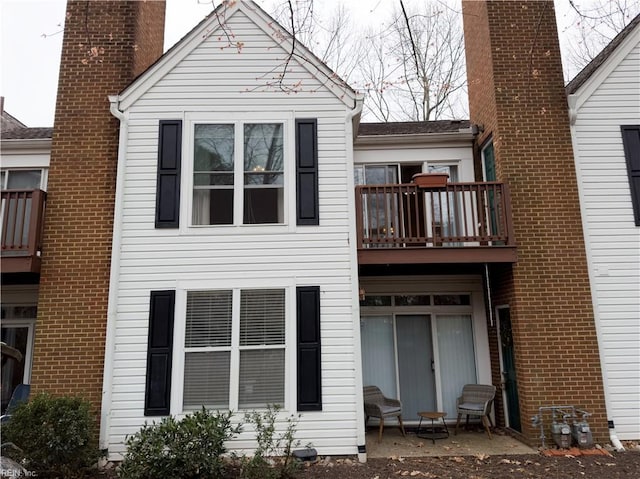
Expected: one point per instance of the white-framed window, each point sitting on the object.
(238, 175)
(23, 179)
(234, 348)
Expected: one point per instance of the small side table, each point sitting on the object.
(435, 430)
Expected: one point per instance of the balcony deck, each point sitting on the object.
(22, 217)
(456, 223)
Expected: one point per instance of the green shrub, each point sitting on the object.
(272, 458)
(56, 435)
(190, 448)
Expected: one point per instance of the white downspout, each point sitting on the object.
(355, 303)
(112, 309)
(615, 442)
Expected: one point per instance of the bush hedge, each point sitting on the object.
(56, 436)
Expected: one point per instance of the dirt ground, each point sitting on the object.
(618, 465)
(622, 465)
(453, 462)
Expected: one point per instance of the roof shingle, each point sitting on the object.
(28, 134)
(412, 127)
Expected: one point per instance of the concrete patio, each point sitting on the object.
(467, 443)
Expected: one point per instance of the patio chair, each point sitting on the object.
(476, 400)
(20, 394)
(377, 405)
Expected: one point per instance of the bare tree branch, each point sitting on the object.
(425, 72)
(593, 25)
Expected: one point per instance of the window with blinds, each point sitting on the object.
(261, 348)
(217, 335)
(207, 349)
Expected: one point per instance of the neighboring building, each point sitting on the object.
(23, 180)
(214, 187)
(604, 101)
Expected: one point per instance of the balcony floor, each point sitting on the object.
(442, 254)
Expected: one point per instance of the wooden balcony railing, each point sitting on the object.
(459, 216)
(22, 216)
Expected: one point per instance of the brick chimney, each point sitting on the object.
(106, 45)
(516, 92)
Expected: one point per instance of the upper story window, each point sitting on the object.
(238, 174)
(375, 174)
(22, 179)
(451, 170)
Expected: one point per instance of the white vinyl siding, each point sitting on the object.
(223, 81)
(612, 99)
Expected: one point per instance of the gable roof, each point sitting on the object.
(606, 52)
(214, 22)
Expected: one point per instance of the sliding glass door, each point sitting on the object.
(421, 359)
(415, 364)
(378, 354)
(456, 358)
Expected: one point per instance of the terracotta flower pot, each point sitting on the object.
(430, 180)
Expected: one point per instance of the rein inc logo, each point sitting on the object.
(15, 471)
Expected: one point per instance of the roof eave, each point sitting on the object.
(414, 139)
(25, 144)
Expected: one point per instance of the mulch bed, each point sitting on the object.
(622, 465)
(565, 464)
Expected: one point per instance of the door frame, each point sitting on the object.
(503, 390)
(22, 295)
(30, 324)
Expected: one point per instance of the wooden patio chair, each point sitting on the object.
(476, 400)
(377, 405)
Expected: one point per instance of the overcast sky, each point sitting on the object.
(31, 40)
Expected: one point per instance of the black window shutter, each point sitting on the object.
(308, 327)
(307, 171)
(168, 184)
(631, 142)
(158, 383)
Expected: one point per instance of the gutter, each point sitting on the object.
(112, 310)
(351, 121)
(412, 140)
(25, 144)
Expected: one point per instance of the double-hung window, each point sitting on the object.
(234, 349)
(238, 173)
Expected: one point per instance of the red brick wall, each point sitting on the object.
(106, 43)
(516, 91)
